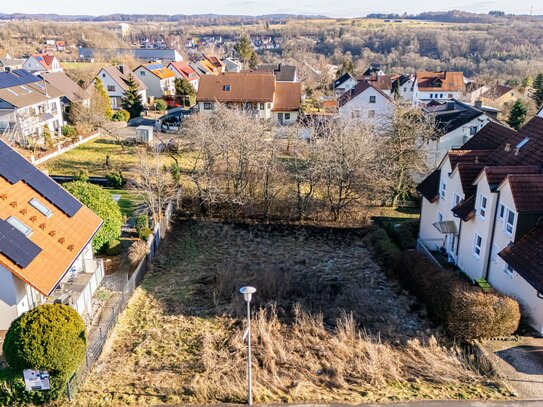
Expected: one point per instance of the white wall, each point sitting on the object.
(345, 86)
(361, 108)
(13, 298)
(440, 95)
(117, 94)
(293, 116)
(406, 90)
(156, 87)
(264, 114)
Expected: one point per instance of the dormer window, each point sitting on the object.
(226, 88)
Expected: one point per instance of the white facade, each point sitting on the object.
(17, 297)
(193, 79)
(369, 105)
(425, 96)
(115, 90)
(284, 118)
(156, 87)
(259, 110)
(34, 66)
(345, 86)
(406, 90)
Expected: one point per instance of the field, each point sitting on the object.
(327, 326)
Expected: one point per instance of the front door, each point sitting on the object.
(280, 117)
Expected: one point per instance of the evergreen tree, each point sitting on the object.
(253, 61)
(517, 115)
(244, 49)
(184, 90)
(47, 138)
(538, 90)
(103, 102)
(132, 101)
(527, 82)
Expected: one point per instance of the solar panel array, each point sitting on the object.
(15, 168)
(16, 78)
(16, 246)
(153, 67)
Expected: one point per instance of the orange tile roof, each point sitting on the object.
(159, 70)
(450, 81)
(55, 258)
(288, 96)
(244, 87)
(185, 70)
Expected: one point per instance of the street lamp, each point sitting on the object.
(247, 294)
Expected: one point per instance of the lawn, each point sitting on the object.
(327, 326)
(126, 202)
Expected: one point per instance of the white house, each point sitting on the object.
(366, 102)
(456, 122)
(343, 84)
(232, 65)
(483, 207)
(45, 242)
(39, 63)
(403, 86)
(185, 71)
(115, 81)
(159, 80)
(27, 106)
(440, 86)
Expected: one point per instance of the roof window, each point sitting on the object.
(20, 226)
(226, 88)
(40, 207)
(523, 143)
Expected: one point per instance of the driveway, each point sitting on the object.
(521, 362)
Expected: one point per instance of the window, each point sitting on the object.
(483, 201)
(371, 113)
(456, 199)
(442, 189)
(439, 217)
(103, 75)
(523, 143)
(207, 106)
(355, 114)
(501, 212)
(20, 226)
(142, 73)
(441, 95)
(287, 116)
(40, 207)
(226, 88)
(472, 130)
(405, 89)
(53, 107)
(262, 106)
(508, 270)
(477, 243)
(494, 253)
(510, 220)
(372, 99)
(431, 95)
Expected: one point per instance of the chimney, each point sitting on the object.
(478, 103)
(450, 105)
(122, 68)
(508, 147)
(476, 159)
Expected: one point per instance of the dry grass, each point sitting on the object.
(328, 326)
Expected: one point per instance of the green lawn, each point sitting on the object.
(127, 201)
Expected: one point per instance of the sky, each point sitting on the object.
(345, 8)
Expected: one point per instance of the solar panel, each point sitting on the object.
(16, 246)
(15, 168)
(16, 78)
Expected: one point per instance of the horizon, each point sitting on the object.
(348, 9)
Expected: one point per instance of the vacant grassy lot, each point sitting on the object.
(328, 326)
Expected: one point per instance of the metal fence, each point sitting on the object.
(97, 339)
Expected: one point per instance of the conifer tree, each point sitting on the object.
(517, 115)
(132, 101)
(538, 90)
(103, 102)
(184, 90)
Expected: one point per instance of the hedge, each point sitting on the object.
(462, 309)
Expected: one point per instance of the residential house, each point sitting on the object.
(402, 85)
(208, 65)
(256, 92)
(27, 106)
(71, 91)
(373, 71)
(39, 63)
(115, 81)
(159, 80)
(473, 91)
(343, 84)
(440, 86)
(10, 64)
(483, 208)
(499, 95)
(164, 56)
(185, 71)
(232, 65)
(456, 122)
(45, 242)
(283, 73)
(382, 82)
(366, 102)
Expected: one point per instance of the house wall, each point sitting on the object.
(293, 117)
(13, 298)
(426, 96)
(117, 94)
(32, 65)
(436, 150)
(345, 86)
(264, 114)
(406, 90)
(361, 108)
(154, 85)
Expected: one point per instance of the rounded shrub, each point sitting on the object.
(114, 248)
(144, 233)
(69, 131)
(50, 337)
(102, 204)
(161, 104)
(142, 222)
(115, 179)
(121, 116)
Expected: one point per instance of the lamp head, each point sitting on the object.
(247, 292)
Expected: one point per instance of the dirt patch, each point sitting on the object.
(328, 326)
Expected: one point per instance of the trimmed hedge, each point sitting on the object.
(463, 310)
(13, 391)
(114, 248)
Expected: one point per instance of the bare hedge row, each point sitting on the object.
(465, 311)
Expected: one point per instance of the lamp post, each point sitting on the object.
(247, 294)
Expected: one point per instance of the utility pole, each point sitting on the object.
(247, 294)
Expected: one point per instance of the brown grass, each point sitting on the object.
(327, 326)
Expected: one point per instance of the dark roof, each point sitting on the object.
(69, 88)
(468, 156)
(373, 69)
(429, 188)
(451, 115)
(400, 81)
(495, 175)
(497, 91)
(468, 174)
(283, 73)
(526, 257)
(357, 90)
(342, 79)
(465, 209)
(527, 191)
(489, 137)
(512, 152)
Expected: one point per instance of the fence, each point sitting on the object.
(61, 149)
(99, 336)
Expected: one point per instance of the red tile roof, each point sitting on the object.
(495, 175)
(237, 87)
(185, 70)
(468, 156)
(440, 81)
(288, 96)
(489, 137)
(429, 188)
(527, 191)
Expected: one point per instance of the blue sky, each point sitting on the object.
(345, 8)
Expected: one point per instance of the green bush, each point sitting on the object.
(121, 116)
(49, 337)
(82, 175)
(13, 391)
(114, 248)
(142, 222)
(145, 233)
(100, 202)
(161, 104)
(69, 131)
(115, 179)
